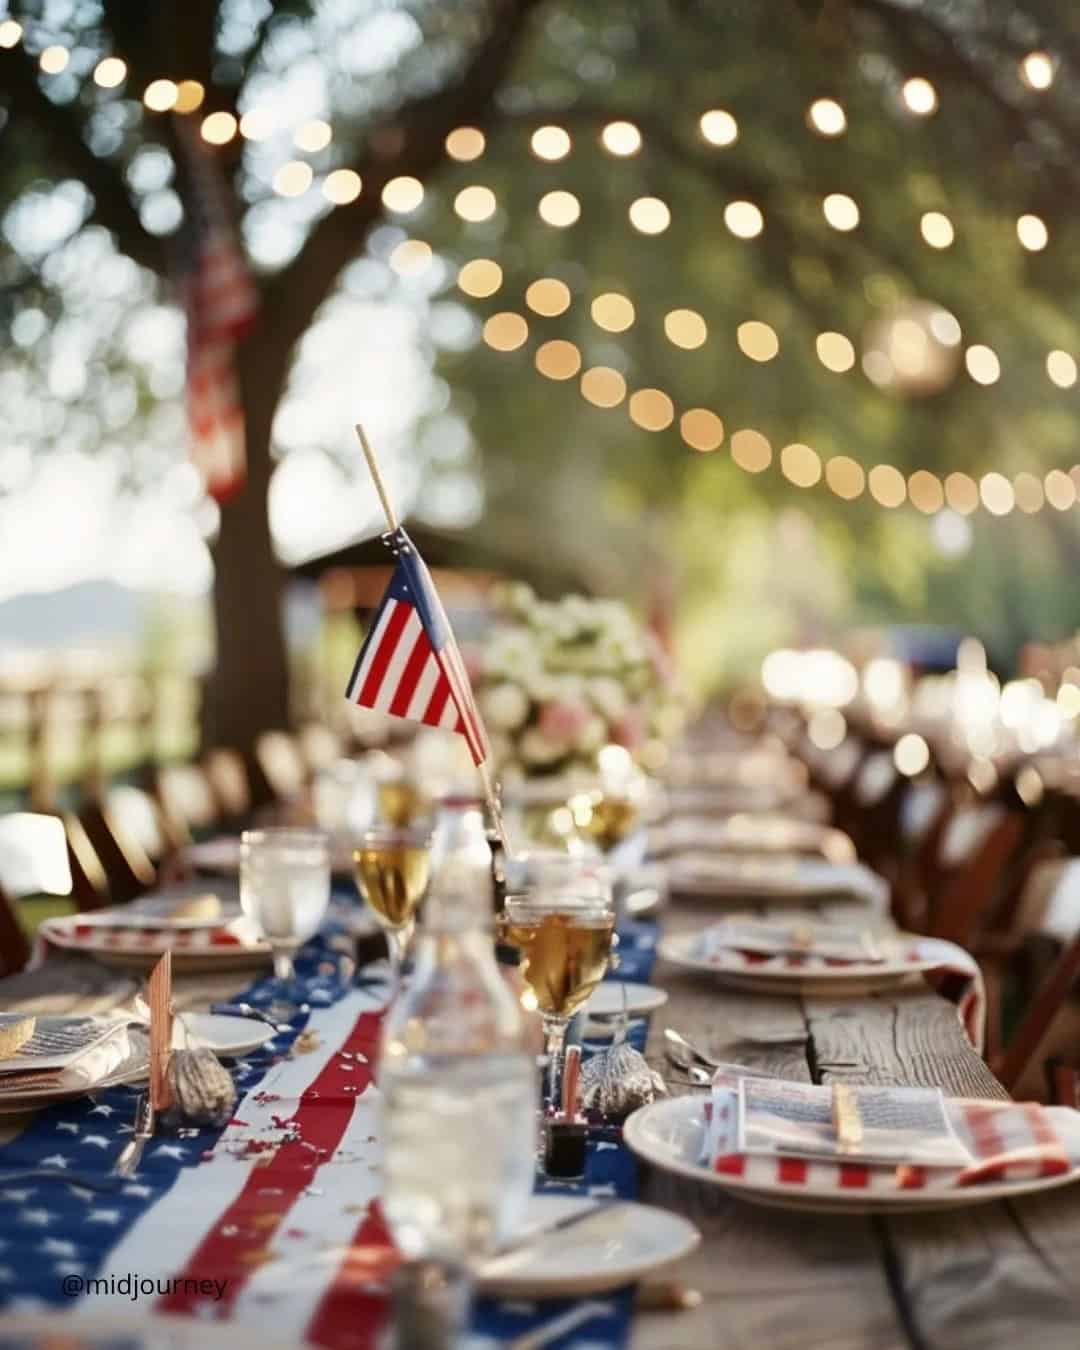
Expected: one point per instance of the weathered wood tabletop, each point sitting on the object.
(996, 1275)
(990, 1277)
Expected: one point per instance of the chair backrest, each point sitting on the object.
(281, 761)
(974, 870)
(228, 777)
(127, 833)
(187, 799)
(33, 861)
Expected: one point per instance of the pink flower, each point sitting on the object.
(629, 729)
(563, 720)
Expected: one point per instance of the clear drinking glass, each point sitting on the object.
(565, 942)
(392, 867)
(285, 890)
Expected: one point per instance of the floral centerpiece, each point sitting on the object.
(558, 680)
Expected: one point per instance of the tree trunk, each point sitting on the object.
(248, 690)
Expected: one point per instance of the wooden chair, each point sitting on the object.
(281, 762)
(189, 806)
(227, 774)
(129, 836)
(33, 861)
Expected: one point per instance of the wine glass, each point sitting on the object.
(399, 802)
(565, 942)
(392, 866)
(285, 890)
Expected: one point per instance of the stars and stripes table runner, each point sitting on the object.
(271, 1222)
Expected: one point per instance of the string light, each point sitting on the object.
(160, 95)
(603, 386)
(937, 229)
(54, 59)
(411, 257)
(997, 494)
(475, 204)
(757, 340)
(1028, 491)
(109, 73)
(1060, 490)
(612, 312)
(841, 211)
(189, 96)
(257, 124)
(402, 195)
(685, 328)
(548, 297)
(982, 364)
(559, 209)
(506, 332)
(800, 465)
(649, 215)
(465, 144)
(1032, 233)
(846, 477)
(751, 450)
(826, 117)
(920, 96)
(550, 143)
(1061, 369)
(926, 492)
(962, 493)
(651, 409)
(293, 178)
(313, 136)
(621, 138)
(719, 127)
(743, 219)
(835, 352)
(1037, 70)
(10, 33)
(480, 278)
(702, 430)
(342, 186)
(888, 486)
(558, 360)
(218, 128)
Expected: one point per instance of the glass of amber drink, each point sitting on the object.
(392, 867)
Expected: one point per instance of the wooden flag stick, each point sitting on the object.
(490, 795)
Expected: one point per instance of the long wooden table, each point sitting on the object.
(996, 1275)
(990, 1276)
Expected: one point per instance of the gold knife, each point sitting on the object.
(159, 1095)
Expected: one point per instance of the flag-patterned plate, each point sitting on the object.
(671, 1134)
(229, 946)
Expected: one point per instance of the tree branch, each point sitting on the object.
(409, 142)
(59, 124)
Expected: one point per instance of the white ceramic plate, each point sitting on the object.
(670, 1134)
(618, 1246)
(227, 1036)
(853, 981)
(606, 1000)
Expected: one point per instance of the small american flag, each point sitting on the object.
(409, 665)
(221, 303)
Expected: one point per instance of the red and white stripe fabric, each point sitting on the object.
(284, 1209)
(80, 932)
(1010, 1141)
(221, 302)
(953, 972)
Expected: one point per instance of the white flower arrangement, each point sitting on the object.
(558, 680)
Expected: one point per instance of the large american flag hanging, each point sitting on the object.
(410, 665)
(221, 302)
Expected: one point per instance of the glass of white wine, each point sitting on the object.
(565, 943)
(392, 866)
(285, 890)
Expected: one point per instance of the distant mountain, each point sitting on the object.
(93, 613)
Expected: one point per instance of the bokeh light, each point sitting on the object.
(54, 59)
(1032, 233)
(403, 195)
(743, 219)
(757, 340)
(701, 429)
(160, 95)
(826, 117)
(558, 359)
(506, 331)
(845, 477)
(800, 464)
(603, 386)
(313, 136)
(651, 409)
(920, 96)
(559, 208)
(109, 73)
(218, 128)
(475, 204)
(550, 143)
(480, 278)
(685, 328)
(293, 178)
(751, 450)
(719, 127)
(937, 229)
(1061, 368)
(465, 144)
(612, 312)
(835, 352)
(649, 215)
(342, 186)
(887, 485)
(548, 296)
(997, 493)
(841, 211)
(621, 138)
(982, 364)
(962, 493)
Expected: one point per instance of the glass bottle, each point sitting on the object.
(458, 1082)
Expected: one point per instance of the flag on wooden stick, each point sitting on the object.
(220, 300)
(410, 665)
